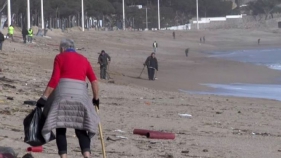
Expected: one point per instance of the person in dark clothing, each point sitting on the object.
(24, 33)
(152, 65)
(259, 41)
(174, 35)
(186, 52)
(1, 40)
(104, 60)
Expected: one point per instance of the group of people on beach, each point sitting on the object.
(26, 34)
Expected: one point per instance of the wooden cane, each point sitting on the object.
(101, 137)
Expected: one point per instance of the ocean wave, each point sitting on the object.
(274, 66)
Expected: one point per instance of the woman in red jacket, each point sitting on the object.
(66, 102)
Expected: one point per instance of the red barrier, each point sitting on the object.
(160, 135)
(37, 149)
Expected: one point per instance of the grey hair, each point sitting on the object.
(67, 43)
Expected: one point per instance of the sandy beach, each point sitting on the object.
(220, 127)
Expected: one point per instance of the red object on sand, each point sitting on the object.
(142, 132)
(37, 149)
(154, 134)
(160, 135)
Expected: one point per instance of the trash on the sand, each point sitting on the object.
(147, 103)
(185, 151)
(9, 86)
(37, 149)
(10, 98)
(30, 102)
(154, 134)
(185, 115)
(119, 130)
(122, 137)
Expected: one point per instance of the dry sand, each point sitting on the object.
(220, 127)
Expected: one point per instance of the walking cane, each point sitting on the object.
(101, 137)
(141, 72)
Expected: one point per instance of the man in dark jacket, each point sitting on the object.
(152, 65)
(1, 40)
(24, 33)
(104, 60)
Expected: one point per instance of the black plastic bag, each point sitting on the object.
(33, 125)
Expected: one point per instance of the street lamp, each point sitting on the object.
(28, 14)
(82, 7)
(158, 15)
(124, 22)
(197, 8)
(42, 15)
(9, 12)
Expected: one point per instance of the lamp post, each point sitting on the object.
(146, 18)
(158, 15)
(28, 14)
(9, 12)
(124, 22)
(42, 15)
(197, 8)
(82, 21)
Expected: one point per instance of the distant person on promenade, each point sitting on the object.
(152, 65)
(155, 46)
(174, 35)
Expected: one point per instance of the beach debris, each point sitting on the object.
(205, 150)
(122, 137)
(10, 98)
(218, 112)
(185, 115)
(37, 149)
(9, 86)
(30, 102)
(185, 151)
(147, 103)
(239, 112)
(5, 112)
(119, 130)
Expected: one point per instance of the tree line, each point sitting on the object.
(173, 12)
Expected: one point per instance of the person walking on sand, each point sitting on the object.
(24, 33)
(186, 52)
(2, 39)
(155, 46)
(30, 35)
(104, 60)
(11, 32)
(174, 35)
(66, 102)
(259, 41)
(152, 65)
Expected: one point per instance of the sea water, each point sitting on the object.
(267, 57)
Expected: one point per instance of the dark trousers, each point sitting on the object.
(1, 44)
(151, 72)
(103, 69)
(84, 140)
(29, 39)
(24, 38)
